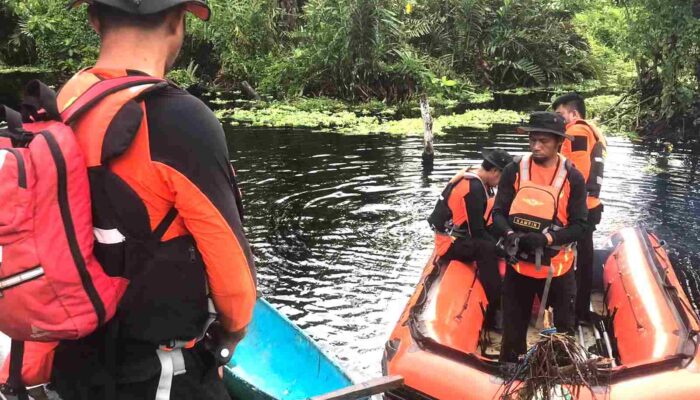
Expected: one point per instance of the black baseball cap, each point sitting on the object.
(546, 122)
(498, 157)
(200, 8)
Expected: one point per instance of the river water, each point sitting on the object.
(338, 227)
(338, 222)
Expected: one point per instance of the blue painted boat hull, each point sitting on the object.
(276, 360)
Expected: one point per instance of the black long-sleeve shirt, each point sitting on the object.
(476, 201)
(577, 210)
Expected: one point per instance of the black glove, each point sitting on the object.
(511, 243)
(501, 251)
(532, 241)
(221, 344)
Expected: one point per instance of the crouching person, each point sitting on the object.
(460, 221)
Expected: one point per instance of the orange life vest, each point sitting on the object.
(592, 163)
(453, 221)
(535, 208)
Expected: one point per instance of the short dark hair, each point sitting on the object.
(488, 165)
(571, 100)
(111, 18)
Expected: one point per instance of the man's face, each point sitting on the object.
(568, 113)
(494, 176)
(544, 146)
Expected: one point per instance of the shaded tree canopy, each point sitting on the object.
(391, 49)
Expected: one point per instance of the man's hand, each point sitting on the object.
(511, 244)
(222, 344)
(532, 241)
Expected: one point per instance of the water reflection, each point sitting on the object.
(338, 222)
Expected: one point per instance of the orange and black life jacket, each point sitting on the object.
(536, 208)
(450, 219)
(588, 152)
(166, 208)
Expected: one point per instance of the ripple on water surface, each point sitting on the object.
(338, 222)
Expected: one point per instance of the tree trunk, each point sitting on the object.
(250, 91)
(290, 8)
(428, 151)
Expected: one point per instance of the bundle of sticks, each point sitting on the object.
(556, 367)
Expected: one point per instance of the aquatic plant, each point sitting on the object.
(354, 122)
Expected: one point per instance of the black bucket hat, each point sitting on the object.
(546, 122)
(498, 157)
(200, 8)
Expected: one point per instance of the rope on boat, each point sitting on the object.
(557, 367)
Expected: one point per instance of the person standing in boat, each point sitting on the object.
(587, 152)
(169, 217)
(540, 212)
(461, 219)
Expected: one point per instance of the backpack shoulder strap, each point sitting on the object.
(102, 89)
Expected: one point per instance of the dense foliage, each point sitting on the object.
(664, 41)
(392, 49)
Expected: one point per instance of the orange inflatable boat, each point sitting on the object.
(442, 350)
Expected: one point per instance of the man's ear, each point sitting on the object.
(94, 20)
(175, 20)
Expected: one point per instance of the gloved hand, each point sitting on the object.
(532, 241)
(511, 243)
(511, 246)
(222, 343)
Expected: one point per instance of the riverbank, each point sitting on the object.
(477, 110)
(329, 115)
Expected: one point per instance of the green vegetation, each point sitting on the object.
(457, 51)
(340, 117)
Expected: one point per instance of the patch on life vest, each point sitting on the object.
(526, 223)
(533, 202)
(38, 333)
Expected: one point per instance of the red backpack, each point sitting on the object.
(51, 285)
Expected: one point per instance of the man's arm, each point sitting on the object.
(189, 150)
(475, 202)
(576, 209)
(504, 198)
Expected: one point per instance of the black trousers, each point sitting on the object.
(584, 265)
(483, 252)
(518, 294)
(78, 375)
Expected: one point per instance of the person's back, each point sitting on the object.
(587, 152)
(167, 217)
(460, 219)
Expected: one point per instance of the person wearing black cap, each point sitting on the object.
(540, 212)
(461, 220)
(168, 218)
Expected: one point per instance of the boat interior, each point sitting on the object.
(642, 317)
